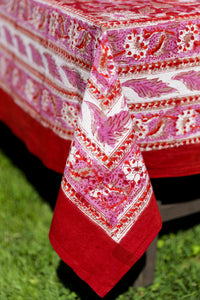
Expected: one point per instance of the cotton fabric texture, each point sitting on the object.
(106, 93)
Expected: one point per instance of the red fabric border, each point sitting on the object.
(80, 243)
(41, 141)
(174, 162)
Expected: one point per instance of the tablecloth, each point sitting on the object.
(107, 93)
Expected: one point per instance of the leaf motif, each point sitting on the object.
(114, 128)
(156, 128)
(190, 79)
(108, 130)
(80, 172)
(75, 79)
(53, 70)
(84, 39)
(36, 56)
(21, 46)
(115, 45)
(158, 46)
(149, 88)
(98, 116)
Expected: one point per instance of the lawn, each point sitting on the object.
(31, 270)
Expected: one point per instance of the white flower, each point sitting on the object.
(141, 129)
(97, 193)
(187, 38)
(73, 34)
(36, 16)
(136, 46)
(53, 23)
(30, 90)
(134, 170)
(45, 99)
(15, 77)
(69, 114)
(22, 8)
(72, 156)
(186, 121)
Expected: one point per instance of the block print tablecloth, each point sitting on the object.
(89, 86)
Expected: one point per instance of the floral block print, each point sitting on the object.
(119, 82)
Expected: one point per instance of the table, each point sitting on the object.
(106, 93)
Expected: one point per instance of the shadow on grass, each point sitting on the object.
(176, 189)
(44, 180)
(47, 184)
(72, 281)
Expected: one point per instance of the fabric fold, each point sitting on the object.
(106, 195)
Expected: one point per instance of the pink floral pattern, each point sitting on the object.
(75, 79)
(53, 23)
(108, 129)
(149, 88)
(70, 114)
(77, 58)
(191, 79)
(30, 90)
(109, 192)
(188, 38)
(113, 77)
(134, 170)
(186, 122)
(136, 46)
(15, 77)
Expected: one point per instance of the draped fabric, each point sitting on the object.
(106, 93)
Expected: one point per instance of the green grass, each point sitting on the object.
(30, 268)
